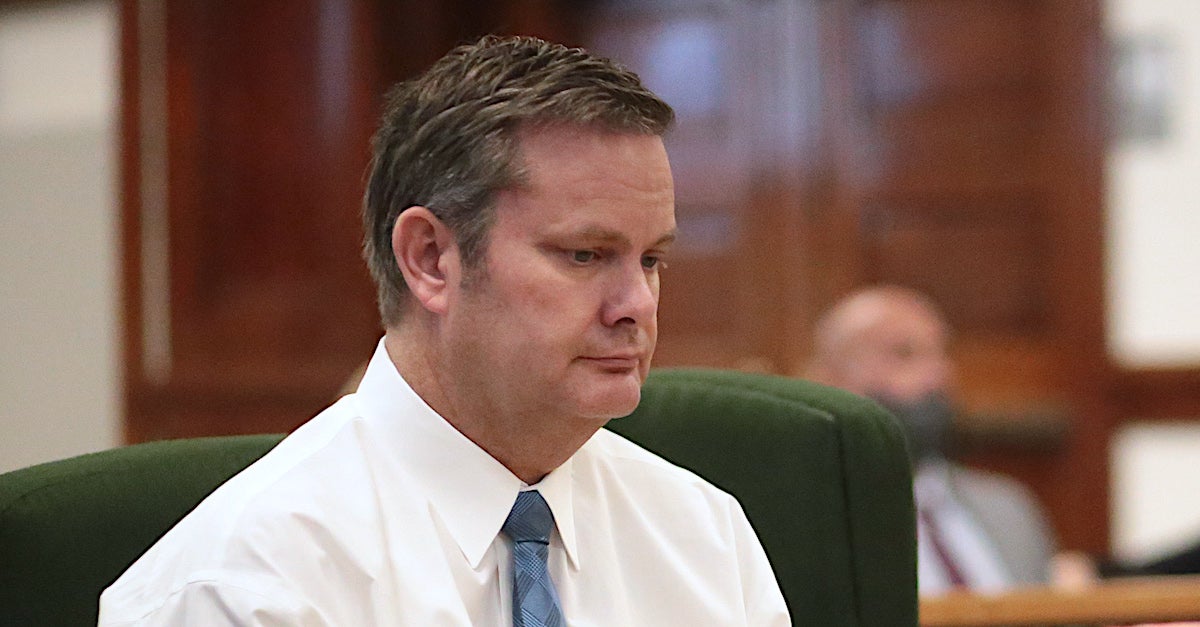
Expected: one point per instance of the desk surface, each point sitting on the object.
(1117, 601)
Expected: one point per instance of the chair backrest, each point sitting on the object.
(69, 528)
(821, 474)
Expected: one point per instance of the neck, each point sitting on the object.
(530, 444)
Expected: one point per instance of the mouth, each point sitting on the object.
(615, 363)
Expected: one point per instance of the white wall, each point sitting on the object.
(1154, 196)
(59, 368)
(1154, 277)
(1155, 516)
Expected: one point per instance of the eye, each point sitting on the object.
(583, 256)
(650, 262)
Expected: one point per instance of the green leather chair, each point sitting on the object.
(821, 474)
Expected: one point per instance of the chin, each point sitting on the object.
(613, 399)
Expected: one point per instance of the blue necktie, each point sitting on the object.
(535, 602)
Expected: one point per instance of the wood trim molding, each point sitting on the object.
(1160, 394)
(1151, 599)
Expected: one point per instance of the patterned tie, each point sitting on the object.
(937, 542)
(535, 602)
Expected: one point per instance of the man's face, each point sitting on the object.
(903, 363)
(902, 357)
(561, 320)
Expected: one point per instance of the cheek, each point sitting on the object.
(549, 315)
(542, 304)
(868, 371)
(553, 297)
(908, 383)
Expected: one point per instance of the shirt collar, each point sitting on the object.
(471, 492)
(931, 483)
(556, 489)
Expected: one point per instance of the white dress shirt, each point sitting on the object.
(963, 538)
(379, 512)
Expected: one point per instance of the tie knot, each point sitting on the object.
(530, 519)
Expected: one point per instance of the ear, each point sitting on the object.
(427, 255)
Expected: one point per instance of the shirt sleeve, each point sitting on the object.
(763, 599)
(214, 603)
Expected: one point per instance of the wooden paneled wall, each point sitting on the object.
(246, 301)
(951, 145)
(954, 146)
(245, 143)
(970, 156)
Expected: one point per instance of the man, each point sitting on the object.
(517, 215)
(975, 530)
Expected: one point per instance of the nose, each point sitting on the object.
(938, 374)
(632, 297)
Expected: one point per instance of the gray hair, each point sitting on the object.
(448, 138)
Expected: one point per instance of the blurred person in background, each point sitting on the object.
(976, 530)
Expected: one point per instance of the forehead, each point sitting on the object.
(902, 324)
(585, 178)
(551, 152)
(882, 322)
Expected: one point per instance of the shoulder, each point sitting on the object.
(971, 483)
(321, 467)
(622, 458)
(209, 601)
(319, 475)
(1002, 504)
(696, 532)
(240, 541)
(1011, 516)
(625, 472)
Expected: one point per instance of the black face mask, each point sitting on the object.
(926, 424)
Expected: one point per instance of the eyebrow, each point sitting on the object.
(667, 238)
(616, 237)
